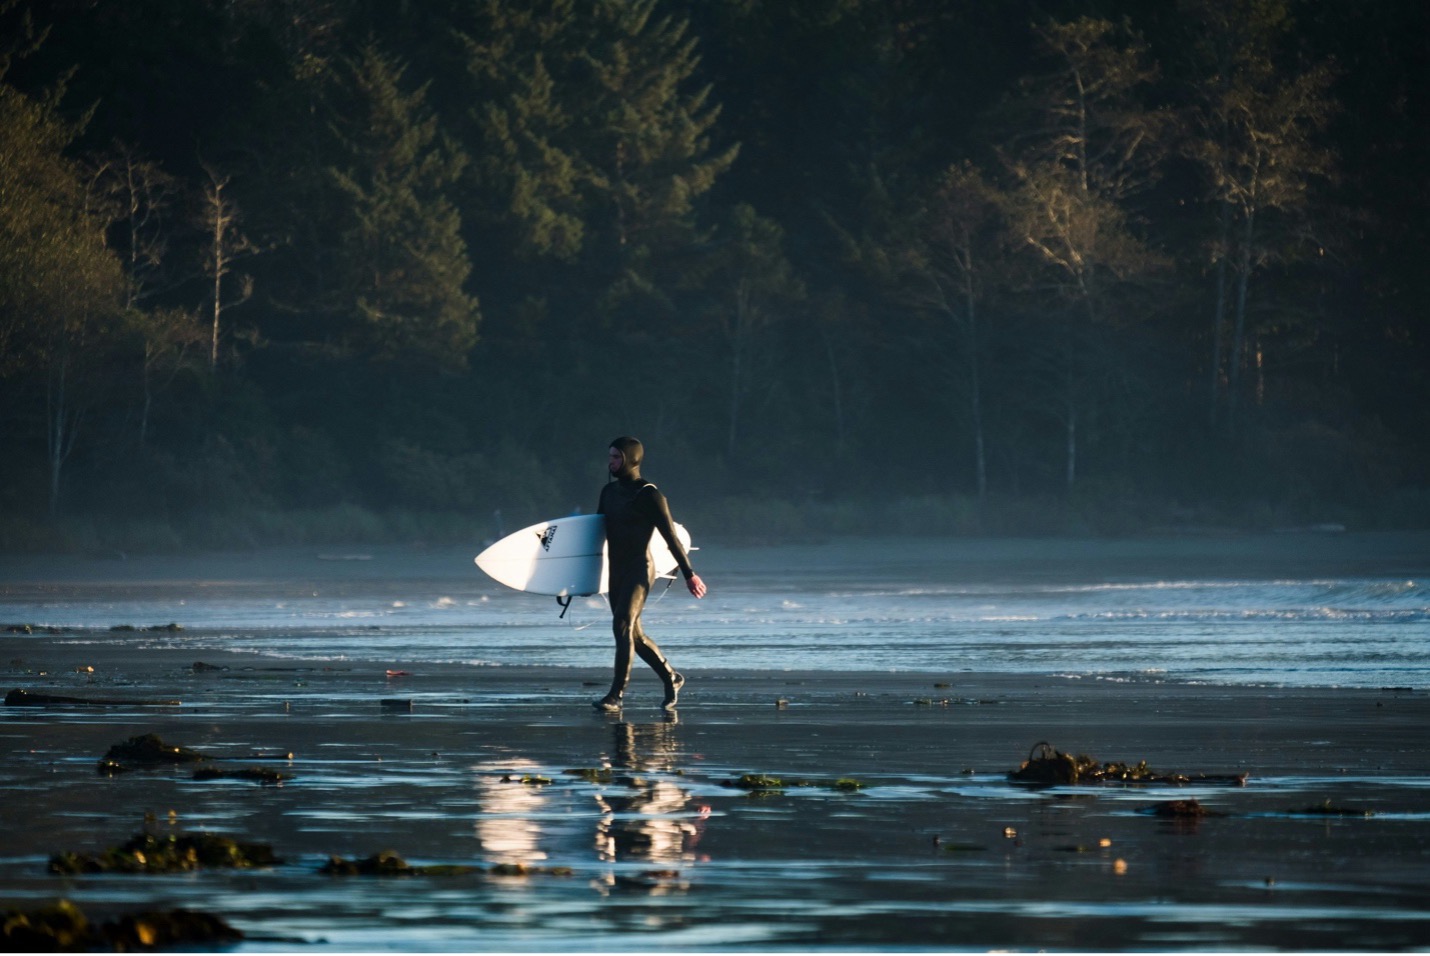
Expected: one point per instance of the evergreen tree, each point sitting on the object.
(593, 146)
(650, 149)
(521, 111)
(404, 262)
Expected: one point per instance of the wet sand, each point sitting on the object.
(649, 848)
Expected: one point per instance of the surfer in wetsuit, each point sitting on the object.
(633, 508)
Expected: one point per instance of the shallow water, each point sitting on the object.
(1349, 610)
(664, 855)
(936, 850)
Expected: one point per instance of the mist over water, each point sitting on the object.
(1348, 610)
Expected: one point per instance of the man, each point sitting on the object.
(633, 508)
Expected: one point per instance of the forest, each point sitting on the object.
(321, 271)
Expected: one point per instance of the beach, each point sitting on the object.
(886, 820)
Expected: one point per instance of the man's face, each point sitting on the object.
(615, 460)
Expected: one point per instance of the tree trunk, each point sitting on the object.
(55, 433)
(148, 401)
(1238, 339)
(61, 428)
(740, 341)
(732, 434)
(1219, 315)
(838, 394)
(980, 462)
(218, 286)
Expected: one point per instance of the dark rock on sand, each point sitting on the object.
(1329, 809)
(1180, 810)
(149, 750)
(262, 775)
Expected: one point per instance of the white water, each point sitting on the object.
(1299, 610)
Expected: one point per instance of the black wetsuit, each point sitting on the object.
(633, 508)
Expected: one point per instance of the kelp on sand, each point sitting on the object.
(1049, 767)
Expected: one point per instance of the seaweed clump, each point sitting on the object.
(763, 783)
(1329, 809)
(147, 853)
(385, 863)
(389, 863)
(528, 779)
(62, 926)
(1047, 766)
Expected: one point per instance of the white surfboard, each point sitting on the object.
(565, 556)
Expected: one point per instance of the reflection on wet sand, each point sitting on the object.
(507, 826)
(642, 824)
(641, 815)
(646, 819)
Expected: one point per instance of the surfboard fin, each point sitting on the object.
(565, 601)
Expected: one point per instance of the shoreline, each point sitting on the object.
(100, 644)
(1345, 610)
(118, 656)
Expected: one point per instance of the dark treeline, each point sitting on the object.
(293, 270)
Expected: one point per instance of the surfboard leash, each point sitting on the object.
(669, 580)
(565, 602)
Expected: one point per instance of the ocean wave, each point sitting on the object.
(1358, 615)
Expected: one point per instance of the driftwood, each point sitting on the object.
(24, 698)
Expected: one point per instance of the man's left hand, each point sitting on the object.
(696, 586)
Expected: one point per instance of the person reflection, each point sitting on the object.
(644, 818)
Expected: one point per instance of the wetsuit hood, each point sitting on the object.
(632, 451)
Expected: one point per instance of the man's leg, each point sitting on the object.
(626, 604)
(651, 654)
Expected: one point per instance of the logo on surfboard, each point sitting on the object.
(546, 538)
